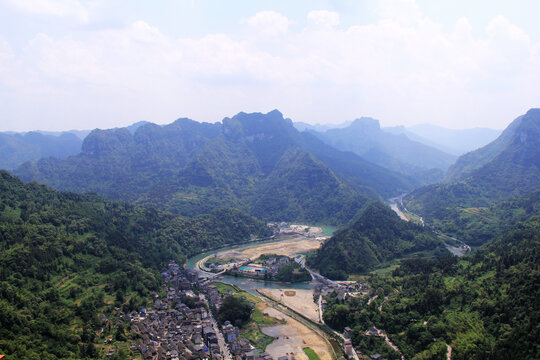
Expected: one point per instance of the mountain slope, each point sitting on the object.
(395, 152)
(189, 168)
(377, 234)
(513, 172)
(473, 160)
(16, 149)
(357, 172)
(301, 187)
(484, 305)
(122, 166)
(65, 258)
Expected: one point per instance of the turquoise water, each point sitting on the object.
(247, 268)
(328, 230)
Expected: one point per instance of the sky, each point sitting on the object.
(85, 64)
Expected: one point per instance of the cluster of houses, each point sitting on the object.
(240, 347)
(173, 330)
(343, 289)
(267, 268)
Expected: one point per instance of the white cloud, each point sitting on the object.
(323, 18)
(270, 23)
(406, 69)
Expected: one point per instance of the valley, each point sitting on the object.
(206, 258)
(269, 180)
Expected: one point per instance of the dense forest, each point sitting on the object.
(67, 261)
(258, 163)
(484, 305)
(503, 170)
(376, 235)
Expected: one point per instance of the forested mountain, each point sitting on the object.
(18, 148)
(300, 186)
(377, 234)
(468, 163)
(393, 151)
(512, 172)
(64, 258)
(189, 168)
(482, 306)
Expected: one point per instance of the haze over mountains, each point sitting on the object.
(16, 148)
(506, 168)
(453, 141)
(365, 137)
(214, 175)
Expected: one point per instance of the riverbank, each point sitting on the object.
(299, 300)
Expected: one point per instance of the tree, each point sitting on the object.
(237, 310)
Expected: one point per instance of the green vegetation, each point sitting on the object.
(301, 187)
(252, 329)
(235, 309)
(312, 355)
(293, 273)
(224, 289)
(376, 235)
(483, 305)
(477, 225)
(258, 163)
(68, 261)
(16, 149)
(502, 171)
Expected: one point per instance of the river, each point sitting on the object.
(249, 284)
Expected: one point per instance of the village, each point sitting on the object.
(182, 323)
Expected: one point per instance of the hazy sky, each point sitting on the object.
(77, 64)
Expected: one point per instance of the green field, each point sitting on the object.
(252, 330)
(312, 355)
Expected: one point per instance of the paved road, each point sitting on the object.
(224, 349)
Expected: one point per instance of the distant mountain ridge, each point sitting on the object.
(189, 168)
(473, 160)
(17, 148)
(395, 152)
(455, 141)
(504, 169)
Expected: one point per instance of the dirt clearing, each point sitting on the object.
(300, 300)
(292, 337)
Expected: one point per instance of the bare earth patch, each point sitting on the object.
(301, 301)
(289, 248)
(292, 337)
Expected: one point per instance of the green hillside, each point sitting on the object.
(484, 305)
(65, 258)
(301, 187)
(189, 168)
(377, 234)
(513, 172)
